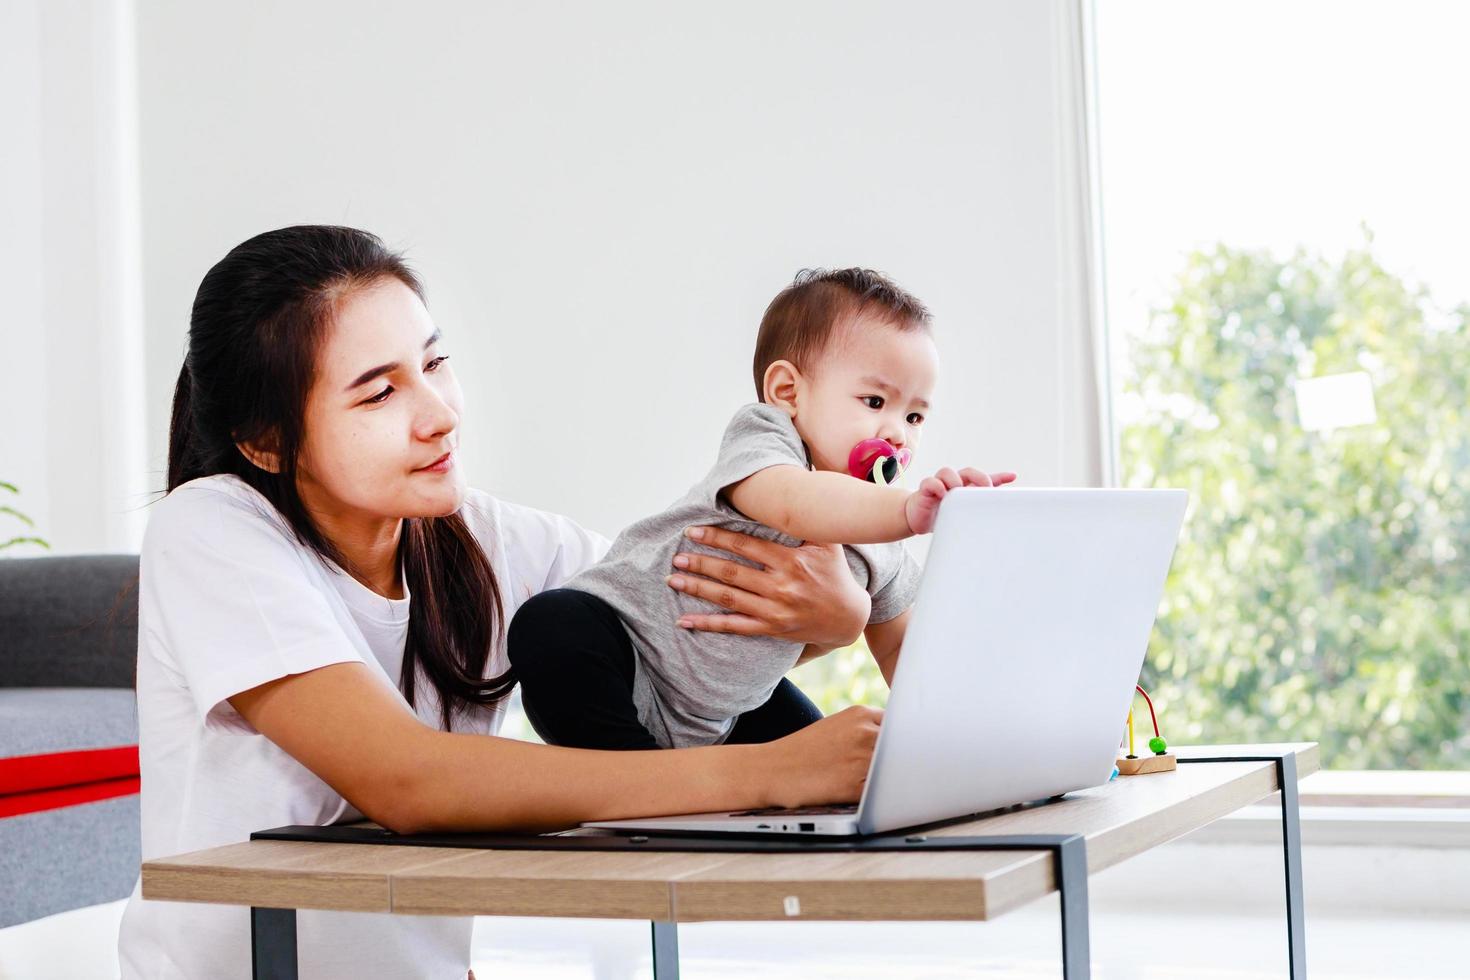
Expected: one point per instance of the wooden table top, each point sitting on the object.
(1120, 819)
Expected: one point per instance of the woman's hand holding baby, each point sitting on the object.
(805, 594)
(922, 507)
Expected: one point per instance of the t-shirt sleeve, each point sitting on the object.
(573, 549)
(234, 601)
(542, 550)
(758, 437)
(897, 594)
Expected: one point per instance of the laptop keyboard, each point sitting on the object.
(801, 811)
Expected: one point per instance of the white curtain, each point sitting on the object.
(1088, 455)
(71, 408)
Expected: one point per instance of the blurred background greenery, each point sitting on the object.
(9, 539)
(1319, 590)
(1320, 586)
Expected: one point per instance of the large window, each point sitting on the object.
(1288, 287)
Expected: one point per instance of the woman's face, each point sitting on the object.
(382, 417)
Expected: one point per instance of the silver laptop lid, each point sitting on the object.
(1028, 633)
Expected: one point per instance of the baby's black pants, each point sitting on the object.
(574, 661)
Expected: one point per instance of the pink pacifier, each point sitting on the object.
(876, 461)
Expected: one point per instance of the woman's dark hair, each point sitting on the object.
(258, 323)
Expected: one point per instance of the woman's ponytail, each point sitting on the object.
(180, 429)
(450, 629)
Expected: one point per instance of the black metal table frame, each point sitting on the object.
(273, 930)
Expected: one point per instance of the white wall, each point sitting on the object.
(71, 340)
(602, 199)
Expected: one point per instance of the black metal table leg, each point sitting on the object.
(1071, 865)
(665, 951)
(1291, 846)
(273, 943)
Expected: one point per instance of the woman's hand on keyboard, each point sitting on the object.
(826, 762)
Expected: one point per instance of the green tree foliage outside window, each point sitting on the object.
(1321, 588)
(841, 678)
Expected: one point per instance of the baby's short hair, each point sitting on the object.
(800, 321)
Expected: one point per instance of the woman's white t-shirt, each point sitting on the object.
(229, 600)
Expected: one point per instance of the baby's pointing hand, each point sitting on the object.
(922, 507)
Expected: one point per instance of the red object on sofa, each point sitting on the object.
(30, 783)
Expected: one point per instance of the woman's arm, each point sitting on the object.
(885, 640)
(343, 724)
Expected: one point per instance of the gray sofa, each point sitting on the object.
(68, 722)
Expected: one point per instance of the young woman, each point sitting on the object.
(323, 606)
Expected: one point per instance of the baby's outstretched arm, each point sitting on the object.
(834, 508)
(831, 508)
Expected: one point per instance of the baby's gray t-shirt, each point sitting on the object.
(690, 686)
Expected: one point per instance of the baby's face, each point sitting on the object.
(873, 381)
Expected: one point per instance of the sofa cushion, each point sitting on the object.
(68, 858)
(68, 621)
(53, 739)
(36, 720)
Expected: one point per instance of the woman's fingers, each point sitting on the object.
(726, 583)
(725, 596)
(865, 720)
(814, 597)
(750, 548)
(722, 623)
(719, 569)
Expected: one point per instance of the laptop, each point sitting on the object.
(1027, 635)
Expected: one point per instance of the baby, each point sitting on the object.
(844, 366)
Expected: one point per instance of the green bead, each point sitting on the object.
(1158, 745)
